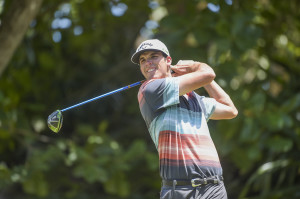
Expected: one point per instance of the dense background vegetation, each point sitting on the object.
(77, 49)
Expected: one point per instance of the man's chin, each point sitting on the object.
(155, 76)
(152, 76)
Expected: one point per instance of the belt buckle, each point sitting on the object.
(216, 180)
(193, 182)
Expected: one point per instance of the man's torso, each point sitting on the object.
(178, 127)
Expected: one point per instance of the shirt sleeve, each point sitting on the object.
(208, 105)
(162, 93)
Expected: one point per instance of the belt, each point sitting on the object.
(194, 182)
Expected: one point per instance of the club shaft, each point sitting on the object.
(104, 95)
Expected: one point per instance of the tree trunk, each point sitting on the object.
(14, 26)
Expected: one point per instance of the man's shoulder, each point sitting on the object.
(146, 85)
(152, 84)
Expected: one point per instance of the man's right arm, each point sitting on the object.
(192, 75)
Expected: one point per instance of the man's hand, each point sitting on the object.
(193, 75)
(183, 67)
(188, 66)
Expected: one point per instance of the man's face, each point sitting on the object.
(154, 65)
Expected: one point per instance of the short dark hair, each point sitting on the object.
(164, 54)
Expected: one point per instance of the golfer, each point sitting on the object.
(176, 118)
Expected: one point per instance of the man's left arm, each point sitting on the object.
(225, 108)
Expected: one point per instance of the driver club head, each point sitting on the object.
(55, 121)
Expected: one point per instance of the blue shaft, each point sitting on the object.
(104, 95)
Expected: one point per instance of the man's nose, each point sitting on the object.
(149, 61)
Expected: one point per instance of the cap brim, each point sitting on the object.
(135, 57)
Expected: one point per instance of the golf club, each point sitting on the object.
(55, 119)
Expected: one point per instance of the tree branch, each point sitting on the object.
(13, 27)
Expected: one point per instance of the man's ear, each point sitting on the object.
(169, 60)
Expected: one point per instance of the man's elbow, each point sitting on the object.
(234, 113)
(211, 75)
(206, 72)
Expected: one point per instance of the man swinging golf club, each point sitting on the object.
(176, 118)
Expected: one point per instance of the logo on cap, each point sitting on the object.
(145, 46)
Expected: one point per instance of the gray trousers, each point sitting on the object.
(209, 191)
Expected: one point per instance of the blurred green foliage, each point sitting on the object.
(77, 49)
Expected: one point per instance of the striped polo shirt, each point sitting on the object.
(178, 128)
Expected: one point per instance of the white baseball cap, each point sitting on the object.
(151, 44)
